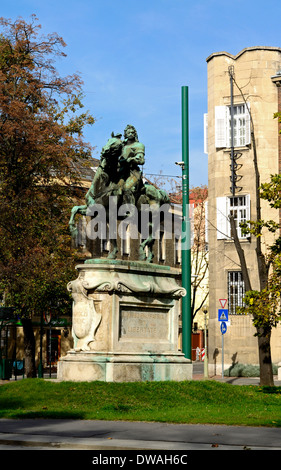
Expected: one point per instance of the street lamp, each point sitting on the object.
(205, 311)
(40, 366)
(48, 317)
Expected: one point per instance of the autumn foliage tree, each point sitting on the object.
(41, 139)
(199, 254)
(198, 197)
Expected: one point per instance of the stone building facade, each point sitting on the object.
(255, 77)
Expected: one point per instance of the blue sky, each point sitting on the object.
(134, 57)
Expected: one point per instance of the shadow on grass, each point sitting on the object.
(272, 390)
(119, 407)
(44, 414)
(14, 408)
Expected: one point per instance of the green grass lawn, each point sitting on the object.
(172, 402)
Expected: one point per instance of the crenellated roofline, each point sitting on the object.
(246, 49)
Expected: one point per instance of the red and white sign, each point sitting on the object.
(223, 302)
(203, 355)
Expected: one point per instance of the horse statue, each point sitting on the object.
(119, 175)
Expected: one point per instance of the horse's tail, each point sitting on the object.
(164, 196)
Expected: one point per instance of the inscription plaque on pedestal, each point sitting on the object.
(144, 325)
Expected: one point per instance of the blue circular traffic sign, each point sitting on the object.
(223, 327)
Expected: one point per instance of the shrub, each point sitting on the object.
(246, 370)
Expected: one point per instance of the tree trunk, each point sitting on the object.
(266, 373)
(29, 348)
(241, 254)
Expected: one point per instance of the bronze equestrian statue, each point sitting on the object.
(119, 175)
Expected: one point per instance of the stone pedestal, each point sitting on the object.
(125, 324)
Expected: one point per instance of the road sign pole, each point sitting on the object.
(223, 331)
(222, 355)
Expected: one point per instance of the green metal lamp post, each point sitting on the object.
(186, 254)
(205, 311)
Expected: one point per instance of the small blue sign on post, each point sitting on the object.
(223, 314)
(223, 327)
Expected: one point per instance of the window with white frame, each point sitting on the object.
(162, 246)
(105, 245)
(125, 237)
(236, 291)
(177, 250)
(239, 208)
(241, 126)
(81, 238)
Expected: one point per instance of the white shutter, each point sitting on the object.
(248, 207)
(221, 113)
(206, 223)
(205, 133)
(222, 218)
(247, 125)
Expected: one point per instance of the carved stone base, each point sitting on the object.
(128, 367)
(125, 324)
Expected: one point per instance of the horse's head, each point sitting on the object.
(113, 147)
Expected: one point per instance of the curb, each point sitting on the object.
(87, 444)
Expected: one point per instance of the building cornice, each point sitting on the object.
(246, 49)
(277, 79)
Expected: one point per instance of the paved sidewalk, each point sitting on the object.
(68, 434)
(198, 374)
(235, 380)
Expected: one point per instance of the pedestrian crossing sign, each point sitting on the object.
(223, 314)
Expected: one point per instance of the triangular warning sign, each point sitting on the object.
(223, 302)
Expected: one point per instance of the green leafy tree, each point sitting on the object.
(41, 140)
(264, 305)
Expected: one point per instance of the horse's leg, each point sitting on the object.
(150, 251)
(71, 223)
(75, 210)
(142, 254)
(114, 250)
(148, 242)
(112, 228)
